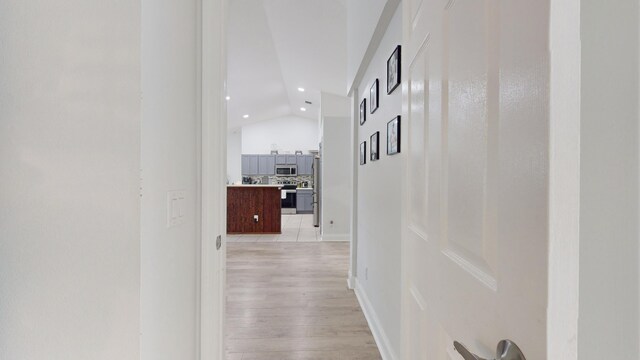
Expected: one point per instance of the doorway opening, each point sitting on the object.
(289, 185)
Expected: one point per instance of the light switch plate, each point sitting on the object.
(176, 207)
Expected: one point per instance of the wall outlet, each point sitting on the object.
(255, 218)
(176, 207)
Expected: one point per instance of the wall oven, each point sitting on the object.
(286, 170)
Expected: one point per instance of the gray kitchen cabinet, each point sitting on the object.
(281, 159)
(291, 159)
(305, 164)
(250, 165)
(309, 163)
(302, 167)
(266, 165)
(304, 201)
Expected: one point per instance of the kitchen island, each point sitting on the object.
(254, 209)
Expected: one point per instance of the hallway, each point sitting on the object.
(290, 301)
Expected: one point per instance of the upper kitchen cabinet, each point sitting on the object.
(285, 159)
(266, 165)
(250, 165)
(305, 164)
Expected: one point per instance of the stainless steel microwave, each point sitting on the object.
(286, 170)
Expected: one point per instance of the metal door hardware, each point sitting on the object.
(218, 242)
(507, 350)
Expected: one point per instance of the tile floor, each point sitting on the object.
(295, 228)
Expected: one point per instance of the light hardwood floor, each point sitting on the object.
(289, 301)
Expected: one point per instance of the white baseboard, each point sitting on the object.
(335, 237)
(386, 351)
(351, 282)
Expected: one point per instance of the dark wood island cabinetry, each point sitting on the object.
(244, 202)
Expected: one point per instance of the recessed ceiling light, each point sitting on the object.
(228, 98)
(303, 109)
(246, 116)
(301, 89)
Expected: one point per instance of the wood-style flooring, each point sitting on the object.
(289, 301)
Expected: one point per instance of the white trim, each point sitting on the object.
(351, 281)
(213, 155)
(335, 237)
(355, 153)
(379, 335)
(564, 180)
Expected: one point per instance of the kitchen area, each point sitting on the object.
(278, 198)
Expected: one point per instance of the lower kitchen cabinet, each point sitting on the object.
(304, 201)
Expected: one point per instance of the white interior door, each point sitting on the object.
(480, 163)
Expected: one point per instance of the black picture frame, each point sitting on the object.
(394, 70)
(394, 136)
(374, 145)
(363, 153)
(374, 97)
(363, 111)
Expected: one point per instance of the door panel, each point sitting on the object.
(475, 240)
(469, 239)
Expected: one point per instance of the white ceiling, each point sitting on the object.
(277, 46)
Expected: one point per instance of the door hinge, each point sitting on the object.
(218, 242)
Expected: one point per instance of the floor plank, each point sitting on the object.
(289, 301)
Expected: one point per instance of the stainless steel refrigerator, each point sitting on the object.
(317, 188)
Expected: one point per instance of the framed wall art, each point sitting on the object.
(363, 153)
(373, 96)
(393, 136)
(393, 70)
(374, 152)
(363, 111)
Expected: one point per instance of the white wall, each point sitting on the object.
(609, 303)
(336, 178)
(289, 133)
(362, 19)
(69, 179)
(336, 162)
(379, 200)
(234, 155)
(170, 145)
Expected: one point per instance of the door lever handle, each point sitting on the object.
(466, 354)
(506, 350)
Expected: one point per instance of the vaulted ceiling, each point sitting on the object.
(276, 47)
